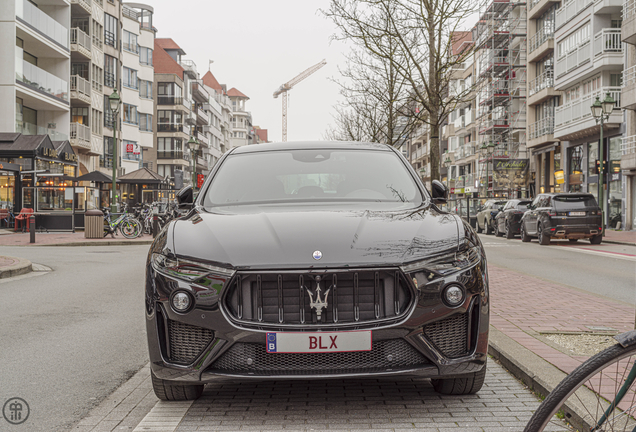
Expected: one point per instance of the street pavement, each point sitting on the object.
(73, 335)
(536, 292)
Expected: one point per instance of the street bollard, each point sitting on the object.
(32, 228)
(155, 225)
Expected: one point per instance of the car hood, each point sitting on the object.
(254, 237)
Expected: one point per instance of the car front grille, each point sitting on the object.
(285, 298)
(451, 335)
(253, 359)
(186, 342)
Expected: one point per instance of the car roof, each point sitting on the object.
(311, 145)
(555, 194)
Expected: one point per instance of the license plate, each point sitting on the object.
(577, 213)
(297, 342)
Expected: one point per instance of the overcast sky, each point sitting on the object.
(256, 46)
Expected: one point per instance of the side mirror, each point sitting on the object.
(440, 193)
(185, 197)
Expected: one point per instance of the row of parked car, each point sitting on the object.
(571, 216)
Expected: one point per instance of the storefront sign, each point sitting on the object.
(129, 148)
(576, 178)
(133, 148)
(200, 179)
(559, 176)
(49, 152)
(69, 157)
(510, 173)
(615, 176)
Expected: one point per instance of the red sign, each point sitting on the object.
(130, 148)
(452, 190)
(200, 179)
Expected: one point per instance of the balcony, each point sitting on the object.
(36, 18)
(460, 122)
(569, 10)
(203, 139)
(628, 149)
(199, 93)
(575, 58)
(190, 68)
(203, 118)
(43, 81)
(80, 89)
(609, 41)
(85, 4)
(465, 151)
(543, 39)
(81, 43)
(543, 81)
(26, 128)
(537, 7)
(172, 154)
(575, 119)
(169, 127)
(169, 100)
(628, 29)
(80, 136)
(541, 132)
(628, 95)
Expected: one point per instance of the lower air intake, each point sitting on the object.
(253, 359)
(450, 335)
(187, 341)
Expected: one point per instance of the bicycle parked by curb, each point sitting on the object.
(599, 395)
(129, 227)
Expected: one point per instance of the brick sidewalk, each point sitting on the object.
(620, 236)
(523, 307)
(66, 238)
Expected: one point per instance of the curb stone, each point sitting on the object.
(23, 266)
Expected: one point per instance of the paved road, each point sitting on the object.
(70, 337)
(606, 269)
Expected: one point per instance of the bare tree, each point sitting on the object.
(416, 38)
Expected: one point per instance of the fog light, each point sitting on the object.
(181, 302)
(454, 295)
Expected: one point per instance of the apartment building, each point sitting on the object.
(220, 126)
(589, 64)
(34, 68)
(543, 98)
(626, 171)
(243, 133)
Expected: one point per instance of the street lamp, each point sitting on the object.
(115, 102)
(487, 150)
(601, 112)
(193, 145)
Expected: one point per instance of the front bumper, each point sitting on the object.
(203, 345)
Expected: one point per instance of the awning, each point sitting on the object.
(96, 176)
(545, 149)
(141, 176)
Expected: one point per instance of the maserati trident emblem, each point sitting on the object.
(317, 255)
(318, 304)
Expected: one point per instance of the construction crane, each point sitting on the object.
(283, 89)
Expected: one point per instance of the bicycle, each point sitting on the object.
(129, 227)
(599, 395)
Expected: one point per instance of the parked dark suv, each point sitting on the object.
(315, 260)
(508, 220)
(569, 216)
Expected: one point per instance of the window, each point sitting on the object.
(106, 159)
(96, 119)
(79, 115)
(129, 42)
(109, 118)
(145, 122)
(110, 71)
(592, 159)
(130, 78)
(616, 80)
(130, 114)
(131, 151)
(145, 56)
(111, 25)
(169, 94)
(169, 121)
(98, 76)
(145, 89)
(169, 148)
(168, 170)
(574, 40)
(80, 69)
(98, 34)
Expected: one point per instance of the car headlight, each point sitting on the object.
(190, 271)
(446, 264)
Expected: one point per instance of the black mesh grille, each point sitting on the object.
(349, 297)
(450, 335)
(252, 358)
(187, 341)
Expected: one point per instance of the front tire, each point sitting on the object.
(130, 228)
(469, 384)
(544, 239)
(168, 392)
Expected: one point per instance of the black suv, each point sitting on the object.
(569, 216)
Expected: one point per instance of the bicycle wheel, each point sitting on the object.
(585, 399)
(130, 228)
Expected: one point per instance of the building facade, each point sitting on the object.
(627, 172)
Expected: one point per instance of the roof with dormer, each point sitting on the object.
(234, 92)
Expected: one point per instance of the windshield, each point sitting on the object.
(523, 205)
(312, 176)
(574, 202)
